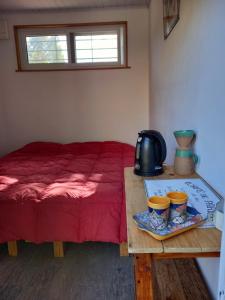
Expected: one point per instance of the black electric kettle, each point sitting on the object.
(150, 153)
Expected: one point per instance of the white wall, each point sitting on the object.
(76, 105)
(2, 119)
(188, 87)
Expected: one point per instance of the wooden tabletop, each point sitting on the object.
(194, 241)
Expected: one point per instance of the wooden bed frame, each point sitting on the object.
(58, 249)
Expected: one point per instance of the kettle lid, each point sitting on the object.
(149, 133)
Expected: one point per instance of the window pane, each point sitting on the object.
(96, 48)
(84, 53)
(47, 49)
(87, 44)
(105, 36)
(105, 43)
(83, 37)
(105, 60)
(104, 53)
(84, 60)
(33, 45)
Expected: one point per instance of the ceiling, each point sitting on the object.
(26, 5)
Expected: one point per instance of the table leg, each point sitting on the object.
(143, 276)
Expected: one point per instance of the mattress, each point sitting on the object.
(64, 192)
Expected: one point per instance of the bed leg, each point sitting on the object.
(12, 248)
(124, 249)
(58, 249)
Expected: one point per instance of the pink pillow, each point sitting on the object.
(42, 147)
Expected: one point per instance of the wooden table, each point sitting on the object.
(194, 243)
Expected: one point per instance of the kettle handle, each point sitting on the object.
(138, 148)
(162, 145)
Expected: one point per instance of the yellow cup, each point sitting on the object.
(178, 206)
(158, 208)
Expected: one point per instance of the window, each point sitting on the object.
(71, 46)
(47, 49)
(96, 48)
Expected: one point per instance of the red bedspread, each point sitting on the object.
(72, 192)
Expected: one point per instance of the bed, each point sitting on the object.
(64, 192)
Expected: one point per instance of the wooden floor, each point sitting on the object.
(90, 271)
(179, 279)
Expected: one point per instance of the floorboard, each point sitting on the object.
(179, 279)
(90, 271)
